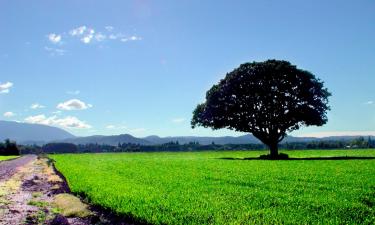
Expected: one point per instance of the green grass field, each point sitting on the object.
(7, 157)
(201, 188)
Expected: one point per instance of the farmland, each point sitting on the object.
(7, 157)
(212, 188)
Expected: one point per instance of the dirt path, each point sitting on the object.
(31, 192)
(29, 187)
(10, 167)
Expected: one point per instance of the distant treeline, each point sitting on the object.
(9, 148)
(358, 143)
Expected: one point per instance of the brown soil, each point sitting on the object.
(27, 189)
(9, 168)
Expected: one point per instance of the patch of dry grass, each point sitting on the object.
(71, 206)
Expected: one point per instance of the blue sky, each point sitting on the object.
(140, 67)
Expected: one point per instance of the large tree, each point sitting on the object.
(267, 99)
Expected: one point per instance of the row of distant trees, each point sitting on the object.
(9, 148)
(359, 143)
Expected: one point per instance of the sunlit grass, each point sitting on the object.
(7, 157)
(203, 188)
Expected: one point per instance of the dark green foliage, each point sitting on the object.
(9, 148)
(60, 148)
(30, 149)
(194, 146)
(267, 99)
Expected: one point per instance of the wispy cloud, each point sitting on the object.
(55, 51)
(78, 31)
(54, 38)
(73, 104)
(109, 28)
(110, 127)
(100, 37)
(76, 92)
(9, 114)
(37, 106)
(178, 120)
(131, 38)
(87, 35)
(5, 87)
(66, 122)
(138, 130)
(369, 103)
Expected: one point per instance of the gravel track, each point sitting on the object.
(9, 168)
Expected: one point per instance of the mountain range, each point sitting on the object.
(31, 133)
(25, 133)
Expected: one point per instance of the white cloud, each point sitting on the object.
(369, 103)
(178, 120)
(55, 51)
(87, 39)
(37, 106)
(4, 87)
(66, 122)
(72, 122)
(9, 114)
(100, 37)
(40, 119)
(87, 35)
(78, 31)
(73, 104)
(109, 28)
(131, 38)
(54, 38)
(110, 127)
(76, 92)
(113, 36)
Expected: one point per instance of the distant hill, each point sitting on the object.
(153, 140)
(31, 133)
(25, 133)
(107, 140)
(244, 139)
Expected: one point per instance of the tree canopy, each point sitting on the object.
(9, 148)
(267, 99)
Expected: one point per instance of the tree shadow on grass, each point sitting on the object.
(307, 158)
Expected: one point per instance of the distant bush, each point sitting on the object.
(9, 148)
(357, 143)
(59, 148)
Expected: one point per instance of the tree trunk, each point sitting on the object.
(274, 150)
(271, 142)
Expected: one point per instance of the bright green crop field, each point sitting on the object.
(7, 157)
(203, 188)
